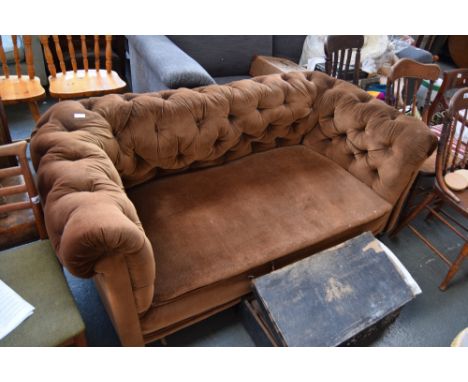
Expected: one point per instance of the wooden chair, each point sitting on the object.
(403, 82)
(426, 42)
(453, 79)
(84, 82)
(19, 87)
(339, 62)
(452, 154)
(5, 137)
(22, 214)
(32, 270)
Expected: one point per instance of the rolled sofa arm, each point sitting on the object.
(157, 64)
(87, 212)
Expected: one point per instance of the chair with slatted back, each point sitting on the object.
(32, 269)
(403, 82)
(77, 82)
(343, 57)
(428, 43)
(21, 87)
(21, 212)
(452, 155)
(452, 80)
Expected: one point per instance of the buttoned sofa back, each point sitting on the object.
(86, 153)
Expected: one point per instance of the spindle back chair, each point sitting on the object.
(428, 42)
(452, 154)
(425, 42)
(80, 80)
(453, 79)
(20, 87)
(339, 62)
(403, 82)
(17, 181)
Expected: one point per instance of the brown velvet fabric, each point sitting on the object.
(86, 152)
(213, 224)
(379, 146)
(165, 317)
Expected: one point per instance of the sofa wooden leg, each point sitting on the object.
(112, 279)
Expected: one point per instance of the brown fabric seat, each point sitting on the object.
(213, 224)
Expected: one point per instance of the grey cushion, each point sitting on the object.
(225, 55)
(159, 64)
(416, 54)
(288, 46)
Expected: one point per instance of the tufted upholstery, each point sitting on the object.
(88, 153)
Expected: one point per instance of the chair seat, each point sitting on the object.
(32, 271)
(85, 83)
(14, 89)
(213, 224)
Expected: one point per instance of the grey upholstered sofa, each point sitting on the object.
(170, 62)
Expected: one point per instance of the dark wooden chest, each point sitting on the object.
(341, 296)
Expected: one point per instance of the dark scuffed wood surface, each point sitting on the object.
(330, 297)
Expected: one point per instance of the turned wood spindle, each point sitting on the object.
(97, 53)
(71, 50)
(357, 64)
(84, 52)
(6, 71)
(58, 50)
(14, 39)
(406, 99)
(29, 56)
(109, 54)
(48, 55)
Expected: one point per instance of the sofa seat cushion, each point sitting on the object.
(209, 225)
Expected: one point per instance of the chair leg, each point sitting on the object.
(436, 208)
(429, 198)
(454, 268)
(34, 108)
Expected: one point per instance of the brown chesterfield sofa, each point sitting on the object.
(173, 201)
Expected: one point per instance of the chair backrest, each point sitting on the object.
(452, 153)
(58, 49)
(18, 150)
(453, 79)
(403, 82)
(27, 41)
(425, 42)
(339, 62)
(5, 137)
